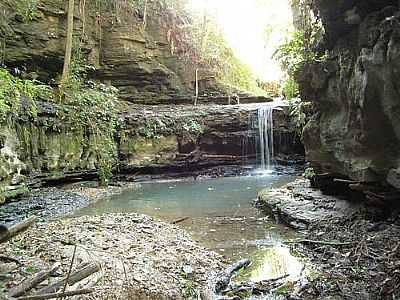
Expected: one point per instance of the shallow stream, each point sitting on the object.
(220, 215)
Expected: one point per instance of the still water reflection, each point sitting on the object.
(221, 217)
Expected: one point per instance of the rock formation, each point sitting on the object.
(355, 130)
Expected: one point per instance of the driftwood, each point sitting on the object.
(83, 271)
(180, 220)
(57, 295)
(16, 229)
(223, 279)
(30, 283)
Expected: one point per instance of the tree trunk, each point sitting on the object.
(197, 87)
(145, 14)
(68, 46)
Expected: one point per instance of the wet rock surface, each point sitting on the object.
(44, 203)
(198, 136)
(298, 205)
(140, 258)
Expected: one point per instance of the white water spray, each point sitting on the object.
(266, 136)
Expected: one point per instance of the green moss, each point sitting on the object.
(264, 194)
(18, 191)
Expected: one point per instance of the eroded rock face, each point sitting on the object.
(355, 131)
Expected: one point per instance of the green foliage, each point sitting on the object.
(193, 127)
(18, 96)
(296, 51)
(290, 88)
(92, 106)
(152, 128)
(27, 9)
(301, 46)
(298, 115)
(309, 173)
(12, 194)
(189, 289)
(30, 269)
(215, 53)
(201, 41)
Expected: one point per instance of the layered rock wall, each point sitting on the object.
(136, 58)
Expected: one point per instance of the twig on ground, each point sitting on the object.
(70, 269)
(328, 243)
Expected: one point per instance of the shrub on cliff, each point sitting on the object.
(18, 97)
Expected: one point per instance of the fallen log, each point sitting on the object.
(223, 279)
(30, 283)
(83, 271)
(328, 243)
(180, 220)
(57, 295)
(17, 229)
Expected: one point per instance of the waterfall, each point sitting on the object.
(266, 136)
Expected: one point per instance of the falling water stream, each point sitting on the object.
(266, 136)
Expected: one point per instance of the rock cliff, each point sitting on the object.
(355, 130)
(135, 57)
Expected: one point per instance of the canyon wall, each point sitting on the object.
(355, 130)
